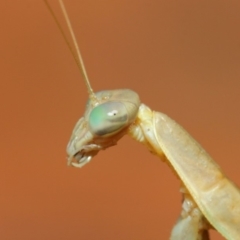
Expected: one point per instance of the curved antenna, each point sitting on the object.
(77, 56)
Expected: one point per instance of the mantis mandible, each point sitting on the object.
(210, 199)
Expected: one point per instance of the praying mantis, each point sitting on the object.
(210, 200)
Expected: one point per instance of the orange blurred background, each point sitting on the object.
(182, 57)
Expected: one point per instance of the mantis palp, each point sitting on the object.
(210, 199)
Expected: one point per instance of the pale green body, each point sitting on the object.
(209, 197)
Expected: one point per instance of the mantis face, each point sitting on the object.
(105, 121)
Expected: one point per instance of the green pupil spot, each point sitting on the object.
(97, 116)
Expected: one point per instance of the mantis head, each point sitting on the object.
(106, 119)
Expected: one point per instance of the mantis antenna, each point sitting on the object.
(76, 55)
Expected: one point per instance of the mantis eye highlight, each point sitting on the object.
(108, 118)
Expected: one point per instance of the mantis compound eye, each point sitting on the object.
(108, 118)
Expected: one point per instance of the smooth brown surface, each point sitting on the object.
(182, 57)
